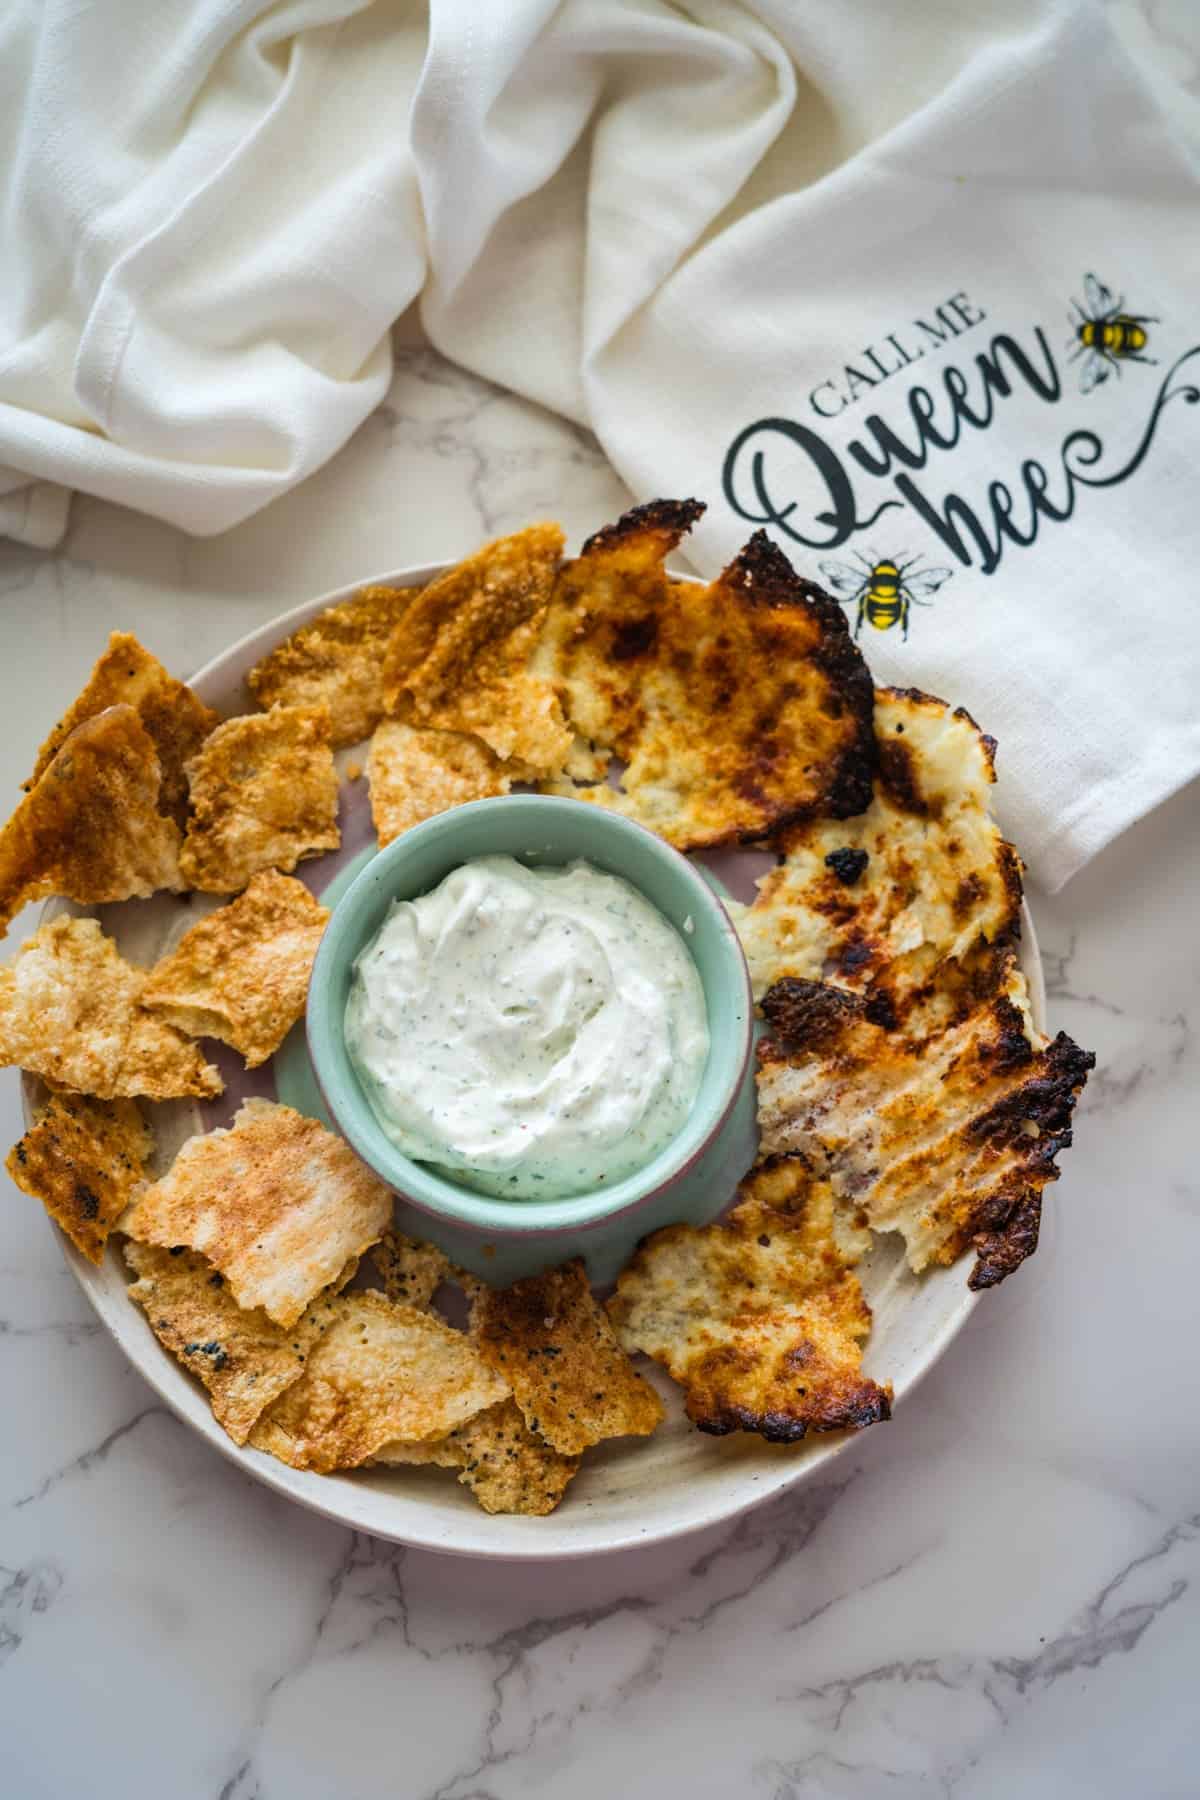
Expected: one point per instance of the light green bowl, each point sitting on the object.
(690, 1180)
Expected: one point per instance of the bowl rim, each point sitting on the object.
(413, 1519)
(439, 1196)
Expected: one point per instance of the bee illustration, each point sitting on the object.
(883, 589)
(1104, 334)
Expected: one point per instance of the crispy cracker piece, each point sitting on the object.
(243, 1358)
(884, 900)
(277, 1203)
(337, 662)
(415, 773)
(758, 1317)
(241, 974)
(90, 829)
(409, 1271)
(176, 720)
(264, 795)
(551, 1341)
(459, 660)
(507, 1467)
(380, 1372)
(71, 1012)
(948, 1138)
(738, 708)
(83, 1159)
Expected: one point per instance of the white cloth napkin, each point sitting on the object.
(897, 282)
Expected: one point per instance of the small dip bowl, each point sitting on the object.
(691, 1180)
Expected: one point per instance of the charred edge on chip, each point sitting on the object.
(999, 1253)
(762, 574)
(919, 697)
(865, 1404)
(673, 518)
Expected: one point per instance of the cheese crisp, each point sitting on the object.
(737, 708)
(948, 1138)
(409, 1271)
(264, 795)
(758, 1317)
(923, 877)
(176, 721)
(550, 1340)
(71, 1012)
(277, 1204)
(415, 773)
(83, 1159)
(90, 828)
(336, 662)
(507, 1467)
(243, 1358)
(241, 974)
(380, 1371)
(459, 660)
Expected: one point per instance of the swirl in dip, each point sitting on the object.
(534, 1032)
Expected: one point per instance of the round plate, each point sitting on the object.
(629, 1492)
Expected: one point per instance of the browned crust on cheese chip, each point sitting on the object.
(90, 828)
(883, 902)
(176, 720)
(71, 1012)
(241, 975)
(380, 1372)
(415, 773)
(757, 1316)
(551, 1341)
(336, 662)
(277, 1204)
(948, 1138)
(459, 660)
(83, 1159)
(242, 1357)
(736, 707)
(264, 795)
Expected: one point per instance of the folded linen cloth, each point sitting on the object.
(910, 287)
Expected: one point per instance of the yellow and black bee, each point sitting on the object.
(1104, 334)
(883, 589)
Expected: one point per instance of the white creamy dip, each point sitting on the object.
(536, 1032)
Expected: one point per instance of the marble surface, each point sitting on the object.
(997, 1593)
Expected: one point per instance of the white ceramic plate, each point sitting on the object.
(629, 1492)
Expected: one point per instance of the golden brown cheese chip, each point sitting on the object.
(758, 1317)
(737, 708)
(409, 1271)
(459, 658)
(264, 794)
(415, 773)
(337, 662)
(380, 1372)
(923, 877)
(83, 1159)
(176, 720)
(551, 1341)
(947, 1138)
(277, 1203)
(243, 1358)
(90, 829)
(241, 974)
(71, 1012)
(507, 1467)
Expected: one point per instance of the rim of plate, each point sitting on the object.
(501, 1538)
